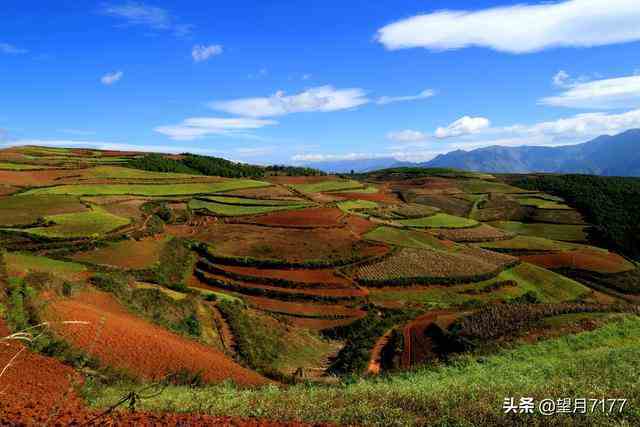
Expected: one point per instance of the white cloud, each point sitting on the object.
(321, 98)
(111, 78)
(428, 93)
(198, 127)
(140, 14)
(519, 28)
(407, 135)
(10, 49)
(561, 78)
(202, 53)
(463, 126)
(601, 94)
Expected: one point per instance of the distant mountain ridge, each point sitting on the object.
(617, 155)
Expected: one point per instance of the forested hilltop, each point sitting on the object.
(611, 204)
(214, 166)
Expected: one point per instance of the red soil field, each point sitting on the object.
(582, 259)
(384, 195)
(360, 225)
(241, 240)
(6, 190)
(129, 254)
(302, 308)
(328, 292)
(307, 218)
(36, 178)
(125, 341)
(327, 276)
(127, 209)
(418, 347)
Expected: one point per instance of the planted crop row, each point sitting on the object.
(274, 281)
(266, 292)
(498, 320)
(204, 251)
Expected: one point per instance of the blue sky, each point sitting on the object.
(300, 81)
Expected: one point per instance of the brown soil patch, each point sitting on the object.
(129, 254)
(6, 190)
(242, 240)
(360, 225)
(306, 218)
(127, 209)
(582, 259)
(327, 276)
(303, 308)
(36, 178)
(418, 345)
(127, 342)
(483, 233)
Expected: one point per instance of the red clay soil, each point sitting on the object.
(582, 259)
(327, 276)
(320, 292)
(360, 225)
(418, 347)
(307, 218)
(34, 178)
(375, 360)
(302, 308)
(240, 240)
(129, 254)
(122, 340)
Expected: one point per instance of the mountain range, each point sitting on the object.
(617, 155)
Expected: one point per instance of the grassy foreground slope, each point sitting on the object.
(468, 392)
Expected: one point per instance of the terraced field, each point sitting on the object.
(279, 278)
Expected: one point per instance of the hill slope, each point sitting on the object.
(617, 155)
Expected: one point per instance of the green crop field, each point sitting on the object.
(150, 189)
(25, 210)
(549, 286)
(541, 203)
(230, 200)
(439, 220)
(569, 233)
(238, 210)
(350, 205)
(530, 243)
(80, 224)
(479, 186)
(404, 238)
(129, 173)
(370, 189)
(19, 166)
(19, 263)
(331, 185)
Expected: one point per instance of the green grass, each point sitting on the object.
(531, 243)
(19, 263)
(150, 189)
(251, 202)
(549, 286)
(221, 296)
(480, 186)
(404, 238)
(569, 233)
(174, 295)
(601, 363)
(238, 210)
(439, 220)
(541, 203)
(331, 185)
(371, 189)
(129, 173)
(349, 205)
(19, 166)
(92, 223)
(25, 210)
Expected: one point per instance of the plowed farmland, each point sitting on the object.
(127, 342)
